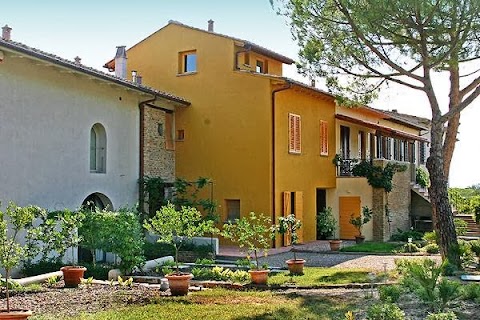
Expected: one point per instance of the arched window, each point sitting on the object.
(98, 149)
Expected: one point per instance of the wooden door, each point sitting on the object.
(347, 207)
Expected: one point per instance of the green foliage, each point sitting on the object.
(125, 282)
(385, 311)
(288, 226)
(422, 277)
(460, 226)
(403, 236)
(431, 237)
(377, 176)
(447, 291)
(220, 274)
(465, 200)
(390, 293)
(204, 261)
(326, 223)
(422, 178)
(442, 316)
(177, 226)
(364, 217)
(467, 257)
(56, 232)
(432, 248)
(52, 281)
(88, 282)
(40, 267)
(382, 247)
(244, 263)
(471, 291)
(153, 193)
(410, 247)
(475, 247)
(98, 271)
(252, 232)
(119, 232)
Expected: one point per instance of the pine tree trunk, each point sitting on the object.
(438, 192)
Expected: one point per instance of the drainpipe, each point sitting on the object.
(141, 107)
(274, 91)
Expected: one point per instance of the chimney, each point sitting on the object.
(134, 76)
(312, 82)
(394, 110)
(210, 25)
(121, 62)
(6, 33)
(78, 60)
(139, 79)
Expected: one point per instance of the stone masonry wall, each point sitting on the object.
(398, 206)
(158, 162)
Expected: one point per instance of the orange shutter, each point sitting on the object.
(323, 138)
(299, 213)
(169, 131)
(287, 209)
(294, 133)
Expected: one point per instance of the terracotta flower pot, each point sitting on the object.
(15, 314)
(259, 276)
(359, 239)
(295, 266)
(72, 275)
(335, 245)
(179, 283)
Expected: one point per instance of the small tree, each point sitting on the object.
(358, 221)
(12, 222)
(252, 232)
(288, 226)
(176, 226)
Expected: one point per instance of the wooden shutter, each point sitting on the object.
(169, 145)
(323, 138)
(287, 209)
(294, 133)
(299, 213)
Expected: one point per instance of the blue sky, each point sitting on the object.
(92, 30)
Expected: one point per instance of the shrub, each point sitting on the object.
(460, 226)
(204, 261)
(431, 237)
(447, 291)
(442, 316)
(40, 267)
(410, 247)
(432, 248)
(386, 311)
(471, 292)
(475, 247)
(467, 257)
(98, 271)
(220, 274)
(326, 223)
(390, 293)
(422, 177)
(157, 250)
(403, 236)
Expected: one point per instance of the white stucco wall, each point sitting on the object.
(46, 117)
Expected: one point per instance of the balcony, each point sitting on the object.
(345, 167)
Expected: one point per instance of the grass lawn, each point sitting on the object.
(223, 304)
(322, 276)
(380, 247)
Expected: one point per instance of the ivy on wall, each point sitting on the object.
(378, 176)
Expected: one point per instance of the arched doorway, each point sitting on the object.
(94, 201)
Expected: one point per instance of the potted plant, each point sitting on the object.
(176, 227)
(326, 224)
(288, 227)
(358, 222)
(253, 233)
(14, 221)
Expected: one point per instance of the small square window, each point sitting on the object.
(259, 67)
(180, 135)
(233, 209)
(187, 62)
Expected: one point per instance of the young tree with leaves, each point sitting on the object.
(359, 46)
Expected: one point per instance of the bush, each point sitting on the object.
(220, 274)
(43, 266)
(422, 177)
(467, 257)
(390, 293)
(98, 271)
(442, 316)
(431, 237)
(475, 247)
(471, 292)
(386, 311)
(447, 291)
(432, 248)
(403, 236)
(460, 226)
(326, 223)
(410, 247)
(157, 250)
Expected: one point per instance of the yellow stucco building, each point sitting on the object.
(266, 141)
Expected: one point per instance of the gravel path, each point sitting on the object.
(340, 260)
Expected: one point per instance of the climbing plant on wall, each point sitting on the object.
(378, 176)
